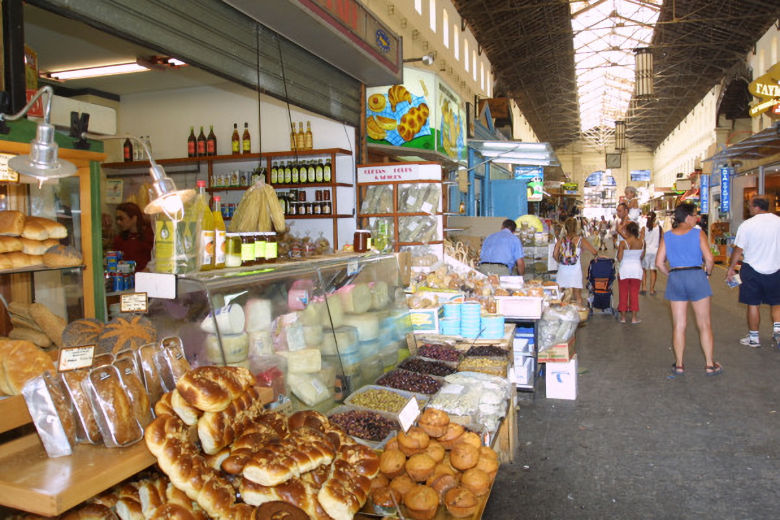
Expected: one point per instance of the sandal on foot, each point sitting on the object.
(713, 370)
(634, 322)
(678, 370)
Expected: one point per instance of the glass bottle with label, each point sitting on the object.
(307, 137)
(294, 176)
(326, 207)
(246, 140)
(300, 137)
(311, 172)
(206, 240)
(247, 249)
(271, 248)
(326, 174)
(192, 144)
(233, 250)
(201, 143)
(211, 142)
(293, 147)
(219, 234)
(274, 172)
(287, 172)
(318, 171)
(235, 141)
(259, 248)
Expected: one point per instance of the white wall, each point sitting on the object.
(579, 160)
(166, 116)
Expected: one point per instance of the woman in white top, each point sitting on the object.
(653, 237)
(568, 252)
(630, 254)
(632, 201)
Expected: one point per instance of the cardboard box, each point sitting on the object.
(523, 346)
(526, 307)
(561, 380)
(425, 320)
(558, 353)
(523, 371)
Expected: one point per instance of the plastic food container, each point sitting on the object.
(422, 399)
(375, 445)
(386, 378)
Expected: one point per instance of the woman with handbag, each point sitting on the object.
(690, 265)
(567, 252)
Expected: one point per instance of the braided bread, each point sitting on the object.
(211, 388)
(217, 430)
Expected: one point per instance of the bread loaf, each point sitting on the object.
(21, 260)
(73, 380)
(21, 362)
(34, 230)
(126, 333)
(211, 389)
(151, 372)
(36, 247)
(186, 412)
(62, 256)
(22, 309)
(49, 322)
(216, 430)
(113, 407)
(81, 332)
(5, 262)
(34, 336)
(139, 399)
(53, 229)
(11, 223)
(10, 244)
(129, 509)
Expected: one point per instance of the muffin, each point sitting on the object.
(382, 497)
(487, 451)
(421, 502)
(470, 438)
(379, 481)
(444, 469)
(435, 451)
(392, 444)
(476, 481)
(451, 436)
(402, 484)
(420, 467)
(464, 456)
(442, 483)
(488, 465)
(391, 463)
(413, 441)
(460, 502)
(434, 422)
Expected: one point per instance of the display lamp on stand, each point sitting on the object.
(166, 198)
(42, 163)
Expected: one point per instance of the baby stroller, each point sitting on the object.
(601, 274)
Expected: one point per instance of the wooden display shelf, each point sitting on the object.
(31, 481)
(14, 412)
(38, 268)
(285, 186)
(329, 215)
(228, 188)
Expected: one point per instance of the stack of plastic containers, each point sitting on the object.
(470, 320)
(492, 327)
(449, 324)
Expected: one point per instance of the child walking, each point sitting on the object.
(630, 254)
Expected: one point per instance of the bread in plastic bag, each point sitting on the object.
(112, 407)
(132, 381)
(51, 413)
(88, 431)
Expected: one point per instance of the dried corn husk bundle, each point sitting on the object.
(258, 210)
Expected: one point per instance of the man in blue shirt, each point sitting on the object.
(502, 251)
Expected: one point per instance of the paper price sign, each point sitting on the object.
(133, 302)
(409, 414)
(73, 358)
(6, 173)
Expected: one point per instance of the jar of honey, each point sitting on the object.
(361, 240)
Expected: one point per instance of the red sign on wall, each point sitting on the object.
(37, 109)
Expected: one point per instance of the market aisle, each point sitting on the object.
(640, 443)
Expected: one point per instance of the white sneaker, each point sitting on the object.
(746, 341)
(776, 338)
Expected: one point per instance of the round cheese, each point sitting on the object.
(380, 295)
(312, 336)
(355, 298)
(235, 348)
(258, 314)
(261, 343)
(367, 325)
(335, 311)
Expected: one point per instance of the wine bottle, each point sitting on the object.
(127, 150)
(307, 137)
(287, 172)
(246, 140)
(292, 137)
(318, 171)
(294, 174)
(274, 173)
(211, 143)
(326, 171)
(311, 175)
(235, 141)
(192, 144)
(201, 147)
(299, 137)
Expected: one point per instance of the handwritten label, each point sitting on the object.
(409, 414)
(6, 173)
(73, 358)
(133, 302)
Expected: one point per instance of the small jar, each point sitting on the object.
(360, 241)
(293, 208)
(259, 248)
(302, 208)
(301, 196)
(232, 250)
(271, 247)
(247, 249)
(317, 208)
(318, 195)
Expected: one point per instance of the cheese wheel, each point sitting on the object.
(258, 314)
(346, 340)
(328, 344)
(367, 325)
(335, 311)
(306, 361)
(380, 295)
(235, 348)
(312, 336)
(356, 298)
(315, 314)
(308, 388)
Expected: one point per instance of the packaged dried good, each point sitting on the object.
(148, 363)
(51, 413)
(172, 362)
(131, 380)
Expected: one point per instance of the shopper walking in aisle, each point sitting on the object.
(686, 249)
(502, 252)
(653, 237)
(758, 241)
(630, 254)
(568, 252)
(603, 231)
(619, 229)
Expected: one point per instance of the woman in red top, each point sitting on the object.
(135, 238)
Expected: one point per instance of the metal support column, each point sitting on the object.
(761, 181)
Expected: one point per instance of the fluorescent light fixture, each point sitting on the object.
(176, 62)
(94, 72)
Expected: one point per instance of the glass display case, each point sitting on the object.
(314, 331)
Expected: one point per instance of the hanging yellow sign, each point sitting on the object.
(767, 89)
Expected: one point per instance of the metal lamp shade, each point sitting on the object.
(165, 197)
(42, 162)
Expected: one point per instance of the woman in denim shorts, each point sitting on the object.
(685, 247)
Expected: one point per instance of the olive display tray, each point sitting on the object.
(374, 445)
(422, 399)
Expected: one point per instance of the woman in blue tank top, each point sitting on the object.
(686, 249)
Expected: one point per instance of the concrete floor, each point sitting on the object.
(640, 443)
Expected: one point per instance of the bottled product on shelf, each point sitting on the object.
(211, 142)
(300, 137)
(235, 141)
(206, 244)
(246, 140)
(293, 140)
(274, 173)
(127, 150)
(307, 138)
(219, 234)
(326, 171)
(201, 143)
(192, 143)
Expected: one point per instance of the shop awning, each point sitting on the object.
(765, 143)
(521, 154)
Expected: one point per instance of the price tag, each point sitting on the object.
(409, 414)
(352, 267)
(73, 358)
(6, 173)
(133, 302)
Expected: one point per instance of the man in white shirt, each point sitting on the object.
(758, 239)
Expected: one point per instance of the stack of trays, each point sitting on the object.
(470, 320)
(492, 327)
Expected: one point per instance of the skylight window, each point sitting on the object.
(605, 36)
